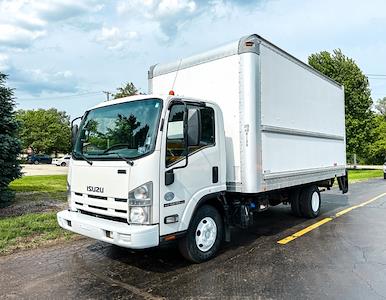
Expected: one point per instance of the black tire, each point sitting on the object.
(294, 199)
(306, 207)
(63, 164)
(36, 162)
(384, 175)
(188, 246)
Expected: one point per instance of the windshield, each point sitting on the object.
(121, 130)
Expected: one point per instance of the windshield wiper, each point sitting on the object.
(129, 161)
(84, 157)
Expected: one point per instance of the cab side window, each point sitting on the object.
(175, 144)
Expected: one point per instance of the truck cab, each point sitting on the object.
(141, 167)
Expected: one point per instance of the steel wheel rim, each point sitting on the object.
(206, 234)
(315, 201)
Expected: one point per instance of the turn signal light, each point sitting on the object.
(171, 219)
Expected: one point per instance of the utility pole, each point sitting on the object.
(107, 95)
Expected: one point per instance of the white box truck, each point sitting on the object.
(246, 126)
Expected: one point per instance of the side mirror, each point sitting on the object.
(74, 133)
(194, 129)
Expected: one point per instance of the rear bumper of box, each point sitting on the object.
(118, 233)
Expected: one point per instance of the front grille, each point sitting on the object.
(117, 219)
(101, 205)
(120, 200)
(97, 197)
(98, 207)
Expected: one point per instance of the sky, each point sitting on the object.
(64, 53)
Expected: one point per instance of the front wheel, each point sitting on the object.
(204, 235)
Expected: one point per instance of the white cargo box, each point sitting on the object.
(284, 121)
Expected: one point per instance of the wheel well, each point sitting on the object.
(213, 200)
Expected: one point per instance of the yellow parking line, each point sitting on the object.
(304, 231)
(326, 220)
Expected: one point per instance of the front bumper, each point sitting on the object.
(118, 233)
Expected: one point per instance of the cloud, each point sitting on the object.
(25, 21)
(171, 15)
(17, 37)
(4, 60)
(38, 81)
(114, 38)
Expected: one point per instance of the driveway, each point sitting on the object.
(345, 258)
(43, 169)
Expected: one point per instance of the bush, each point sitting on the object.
(9, 143)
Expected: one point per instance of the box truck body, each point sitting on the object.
(246, 126)
(284, 121)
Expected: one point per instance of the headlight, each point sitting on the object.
(140, 202)
(142, 195)
(139, 215)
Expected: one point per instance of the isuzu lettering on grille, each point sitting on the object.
(95, 189)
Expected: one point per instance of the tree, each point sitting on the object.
(381, 106)
(377, 150)
(9, 143)
(45, 131)
(128, 90)
(359, 117)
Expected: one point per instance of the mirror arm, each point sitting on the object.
(72, 122)
(185, 138)
(72, 132)
(169, 174)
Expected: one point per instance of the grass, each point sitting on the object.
(360, 175)
(32, 227)
(30, 231)
(42, 183)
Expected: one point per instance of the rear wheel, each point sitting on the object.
(204, 236)
(36, 162)
(294, 199)
(310, 202)
(384, 175)
(63, 164)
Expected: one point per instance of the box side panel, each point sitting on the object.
(216, 81)
(302, 118)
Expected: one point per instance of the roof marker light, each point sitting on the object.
(171, 93)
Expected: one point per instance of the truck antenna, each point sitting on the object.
(175, 77)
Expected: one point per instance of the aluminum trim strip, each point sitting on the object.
(275, 175)
(218, 53)
(290, 131)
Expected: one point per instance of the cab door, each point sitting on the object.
(196, 174)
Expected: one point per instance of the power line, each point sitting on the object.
(58, 97)
(376, 75)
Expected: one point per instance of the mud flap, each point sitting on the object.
(343, 183)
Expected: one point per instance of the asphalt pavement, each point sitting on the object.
(344, 258)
